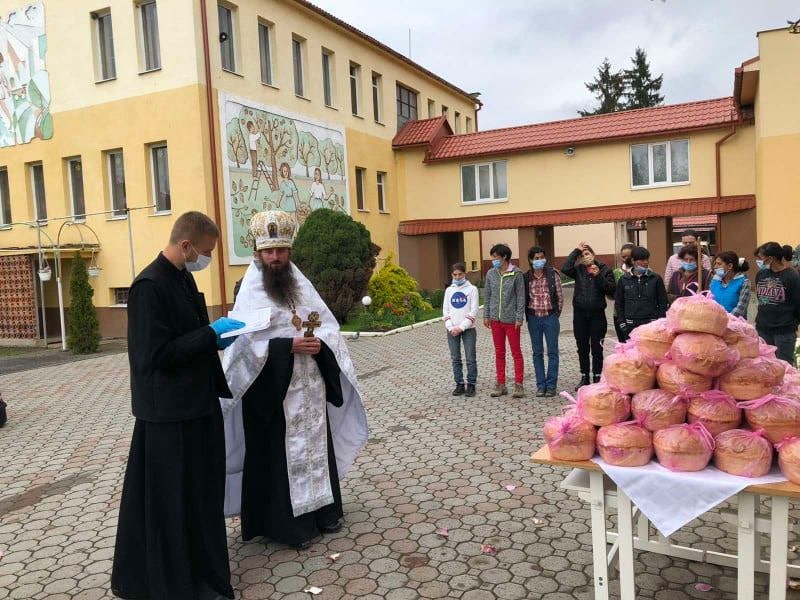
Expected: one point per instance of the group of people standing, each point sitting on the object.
(640, 295)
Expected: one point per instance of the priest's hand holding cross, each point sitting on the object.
(308, 344)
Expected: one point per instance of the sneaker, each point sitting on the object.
(470, 390)
(550, 393)
(584, 381)
(499, 390)
(596, 379)
(459, 391)
(540, 392)
(519, 391)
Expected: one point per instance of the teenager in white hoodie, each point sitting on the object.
(460, 311)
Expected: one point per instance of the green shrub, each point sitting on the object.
(394, 294)
(338, 257)
(83, 329)
(437, 298)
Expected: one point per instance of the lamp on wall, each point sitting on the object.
(569, 151)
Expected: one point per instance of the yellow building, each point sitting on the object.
(108, 131)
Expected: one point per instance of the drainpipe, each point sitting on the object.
(717, 145)
(212, 137)
(477, 110)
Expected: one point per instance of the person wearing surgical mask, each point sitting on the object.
(685, 281)
(460, 311)
(778, 294)
(174, 486)
(641, 296)
(730, 286)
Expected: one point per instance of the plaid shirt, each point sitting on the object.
(540, 302)
(744, 300)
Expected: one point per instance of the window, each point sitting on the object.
(431, 108)
(468, 124)
(121, 295)
(265, 51)
(360, 188)
(382, 192)
(75, 169)
(161, 194)
(377, 97)
(5, 198)
(355, 88)
(485, 182)
(227, 47)
(106, 67)
(116, 183)
(297, 66)
(150, 50)
(406, 105)
(663, 163)
(445, 112)
(37, 187)
(457, 121)
(327, 77)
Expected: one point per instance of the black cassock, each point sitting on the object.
(266, 503)
(171, 538)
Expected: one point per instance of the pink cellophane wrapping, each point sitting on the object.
(778, 416)
(752, 378)
(742, 336)
(570, 437)
(602, 405)
(791, 383)
(699, 313)
(658, 409)
(675, 379)
(684, 447)
(629, 370)
(625, 444)
(703, 353)
(789, 458)
(654, 339)
(715, 409)
(743, 452)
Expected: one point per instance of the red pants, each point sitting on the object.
(501, 331)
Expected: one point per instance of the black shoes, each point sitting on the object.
(459, 391)
(596, 379)
(584, 381)
(304, 545)
(549, 393)
(470, 390)
(540, 392)
(335, 527)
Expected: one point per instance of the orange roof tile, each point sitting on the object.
(420, 133)
(689, 116)
(576, 216)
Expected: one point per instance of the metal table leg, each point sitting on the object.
(779, 539)
(746, 545)
(627, 586)
(598, 511)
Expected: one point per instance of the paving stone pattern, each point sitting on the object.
(433, 461)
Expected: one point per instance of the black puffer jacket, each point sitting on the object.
(641, 299)
(590, 291)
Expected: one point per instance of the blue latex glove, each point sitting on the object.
(224, 325)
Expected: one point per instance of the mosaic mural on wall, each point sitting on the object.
(24, 82)
(277, 161)
(18, 319)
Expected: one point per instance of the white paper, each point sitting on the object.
(671, 499)
(254, 320)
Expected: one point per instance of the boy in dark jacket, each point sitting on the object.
(641, 296)
(593, 282)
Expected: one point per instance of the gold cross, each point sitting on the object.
(311, 324)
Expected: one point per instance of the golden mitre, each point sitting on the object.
(272, 229)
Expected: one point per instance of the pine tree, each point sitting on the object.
(642, 90)
(608, 88)
(83, 329)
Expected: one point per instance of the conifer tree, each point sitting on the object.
(608, 88)
(642, 89)
(83, 329)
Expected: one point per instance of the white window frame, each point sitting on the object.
(76, 216)
(467, 124)
(377, 97)
(232, 37)
(669, 182)
(381, 187)
(431, 108)
(105, 69)
(478, 199)
(354, 83)
(154, 180)
(116, 297)
(328, 72)
(361, 203)
(142, 37)
(34, 195)
(457, 122)
(299, 43)
(265, 46)
(116, 213)
(446, 112)
(5, 199)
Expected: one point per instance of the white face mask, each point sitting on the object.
(200, 263)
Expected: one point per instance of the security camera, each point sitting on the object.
(570, 151)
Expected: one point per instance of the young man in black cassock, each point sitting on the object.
(296, 421)
(171, 539)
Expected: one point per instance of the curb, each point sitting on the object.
(354, 335)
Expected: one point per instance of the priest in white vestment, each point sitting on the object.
(296, 421)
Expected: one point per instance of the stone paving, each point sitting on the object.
(433, 461)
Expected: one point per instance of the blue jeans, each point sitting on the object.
(783, 341)
(469, 337)
(545, 330)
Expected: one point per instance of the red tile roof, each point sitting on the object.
(577, 216)
(674, 118)
(420, 133)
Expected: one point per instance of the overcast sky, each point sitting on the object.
(530, 58)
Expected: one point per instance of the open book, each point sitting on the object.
(254, 320)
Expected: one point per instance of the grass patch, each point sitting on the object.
(353, 323)
(7, 352)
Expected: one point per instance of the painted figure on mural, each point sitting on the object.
(252, 143)
(317, 191)
(289, 197)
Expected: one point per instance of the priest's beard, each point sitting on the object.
(279, 283)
